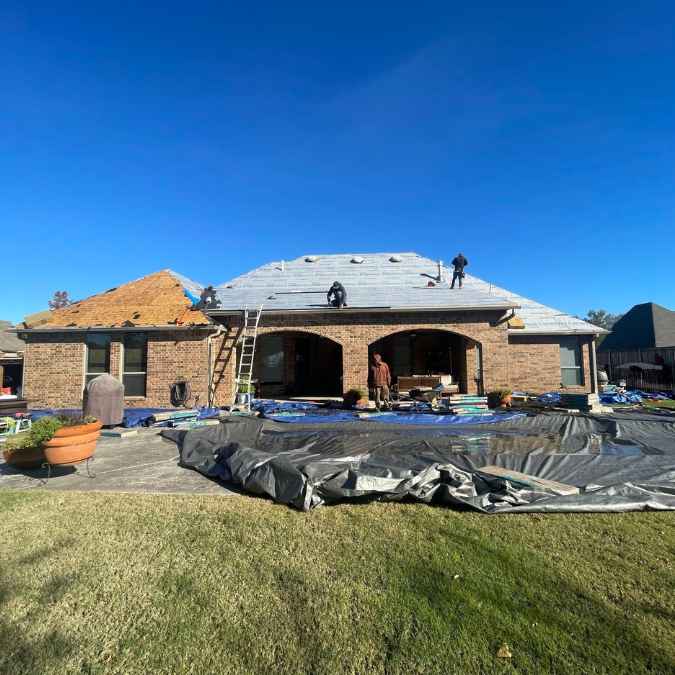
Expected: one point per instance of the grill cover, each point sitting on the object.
(105, 400)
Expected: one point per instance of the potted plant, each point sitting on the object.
(72, 441)
(356, 397)
(245, 393)
(21, 451)
(500, 398)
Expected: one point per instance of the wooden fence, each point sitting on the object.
(662, 379)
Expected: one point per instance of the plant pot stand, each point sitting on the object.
(87, 463)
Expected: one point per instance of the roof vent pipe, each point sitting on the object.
(283, 265)
(440, 271)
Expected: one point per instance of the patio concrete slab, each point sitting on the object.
(145, 463)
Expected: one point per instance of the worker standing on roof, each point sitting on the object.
(381, 379)
(459, 262)
(337, 296)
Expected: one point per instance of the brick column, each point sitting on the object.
(495, 360)
(223, 367)
(116, 356)
(354, 363)
(469, 367)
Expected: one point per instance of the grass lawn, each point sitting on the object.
(169, 584)
(668, 404)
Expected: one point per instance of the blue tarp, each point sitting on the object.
(636, 396)
(423, 419)
(133, 417)
(142, 417)
(266, 406)
(297, 412)
(628, 397)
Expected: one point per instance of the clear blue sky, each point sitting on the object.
(213, 137)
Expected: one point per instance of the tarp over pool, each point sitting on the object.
(622, 462)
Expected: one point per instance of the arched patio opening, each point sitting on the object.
(297, 363)
(432, 355)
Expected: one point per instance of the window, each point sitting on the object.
(270, 359)
(571, 371)
(98, 355)
(135, 364)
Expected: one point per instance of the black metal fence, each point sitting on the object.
(646, 369)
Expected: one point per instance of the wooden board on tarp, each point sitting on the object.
(529, 481)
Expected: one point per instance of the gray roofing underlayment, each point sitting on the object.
(383, 281)
(645, 326)
(9, 342)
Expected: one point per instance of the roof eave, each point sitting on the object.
(361, 310)
(525, 331)
(114, 329)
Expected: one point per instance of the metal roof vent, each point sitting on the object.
(311, 258)
(395, 258)
(358, 260)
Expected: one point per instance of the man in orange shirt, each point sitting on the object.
(381, 380)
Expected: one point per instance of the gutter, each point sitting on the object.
(362, 310)
(112, 329)
(524, 331)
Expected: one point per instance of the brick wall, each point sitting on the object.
(53, 372)
(54, 367)
(355, 332)
(54, 363)
(534, 363)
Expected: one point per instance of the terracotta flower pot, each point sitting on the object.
(25, 458)
(71, 445)
(78, 430)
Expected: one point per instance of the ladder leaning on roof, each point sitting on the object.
(249, 336)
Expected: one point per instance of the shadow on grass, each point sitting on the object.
(435, 616)
(23, 647)
(552, 623)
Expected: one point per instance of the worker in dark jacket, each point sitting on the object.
(380, 377)
(459, 262)
(337, 296)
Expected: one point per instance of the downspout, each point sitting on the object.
(594, 367)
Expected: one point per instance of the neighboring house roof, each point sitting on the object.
(9, 342)
(645, 326)
(385, 281)
(158, 299)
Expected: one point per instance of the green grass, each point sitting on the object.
(666, 403)
(166, 584)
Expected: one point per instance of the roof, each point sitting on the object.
(159, 299)
(645, 326)
(384, 281)
(9, 341)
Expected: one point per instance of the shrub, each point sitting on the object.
(44, 429)
(496, 397)
(20, 441)
(75, 420)
(353, 395)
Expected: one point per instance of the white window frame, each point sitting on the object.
(578, 368)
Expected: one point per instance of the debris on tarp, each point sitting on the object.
(619, 462)
(530, 481)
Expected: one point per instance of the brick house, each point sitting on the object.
(11, 358)
(150, 332)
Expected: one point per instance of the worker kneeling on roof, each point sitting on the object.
(337, 296)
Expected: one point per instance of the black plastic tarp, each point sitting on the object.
(621, 462)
